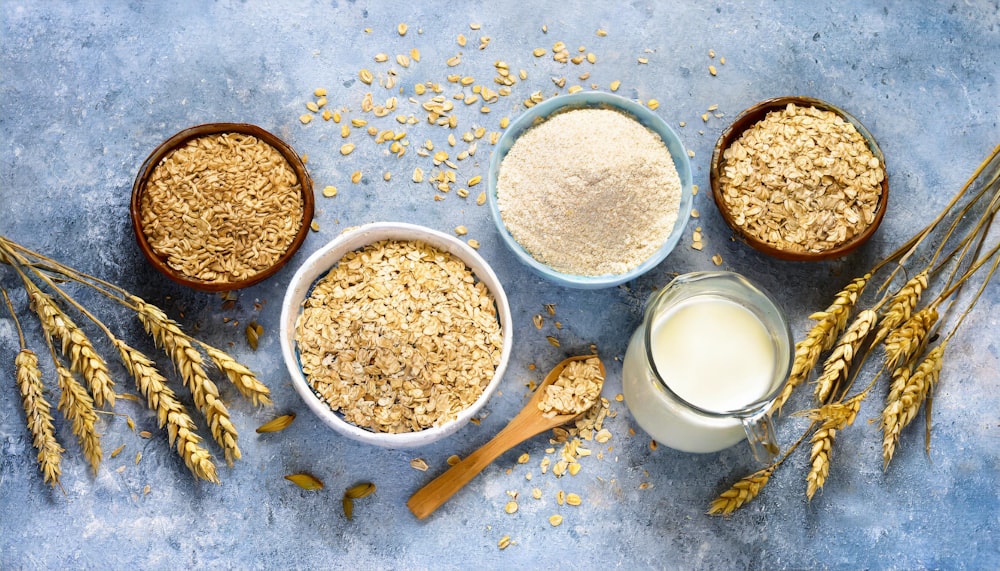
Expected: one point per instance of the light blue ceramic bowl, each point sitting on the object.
(584, 100)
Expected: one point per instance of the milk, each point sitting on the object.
(713, 353)
(721, 361)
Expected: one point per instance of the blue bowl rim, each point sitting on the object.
(593, 100)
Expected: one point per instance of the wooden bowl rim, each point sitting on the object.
(202, 130)
(751, 116)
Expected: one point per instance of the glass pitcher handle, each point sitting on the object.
(760, 435)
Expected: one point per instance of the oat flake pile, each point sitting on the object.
(589, 192)
(399, 337)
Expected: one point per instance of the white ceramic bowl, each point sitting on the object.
(320, 262)
(599, 100)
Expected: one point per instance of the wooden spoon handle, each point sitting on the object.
(441, 489)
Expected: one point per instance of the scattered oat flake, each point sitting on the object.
(717, 260)
(314, 226)
(453, 459)
(356, 177)
(138, 457)
(511, 507)
(536, 493)
(573, 499)
(329, 191)
(555, 520)
(146, 489)
(146, 434)
(504, 542)
(712, 70)
(652, 445)
(552, 341)
(473, 243)
(117, 451)
(523, 458)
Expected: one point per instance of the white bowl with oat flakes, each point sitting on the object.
(396, 334)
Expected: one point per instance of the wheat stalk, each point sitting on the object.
(838, 365)
(241, 377)
(905, 341)
(75, 346)
(78, 407)
(169, 412)
(38, 413)
(901, 305)
(821, 337)
(741, 492)
(189, 362)
(834, 417)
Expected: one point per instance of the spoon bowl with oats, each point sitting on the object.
(569, 390)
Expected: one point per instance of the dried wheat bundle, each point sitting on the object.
(41, 277)
(903, 332)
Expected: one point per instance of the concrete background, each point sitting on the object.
(88, 89)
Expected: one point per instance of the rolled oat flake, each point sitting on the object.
(589, 192)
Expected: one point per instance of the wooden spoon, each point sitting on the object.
(528, 423)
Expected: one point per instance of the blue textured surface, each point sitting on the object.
(88, 89)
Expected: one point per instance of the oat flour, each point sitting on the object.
(589, 192)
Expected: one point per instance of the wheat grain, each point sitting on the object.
(169, 412)
(741, 492)
(901, 306)
(242, 378)
(821, 337)
(838, 365)
(78, 407)
(189, 362)
(905, 341)
(83, 359)
(38, 414)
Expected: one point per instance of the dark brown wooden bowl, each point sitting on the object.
(178, 140)
(750, 117)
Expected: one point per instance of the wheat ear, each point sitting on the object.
(901, 306)
(78, 407)
(38, 413)
(838, 365)
(189, 362)
(242, 378)
(834, 417)
(169, 412)
(903, 342)
(75, 346)
(822, 336)
(741, 492)
(901, 411)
